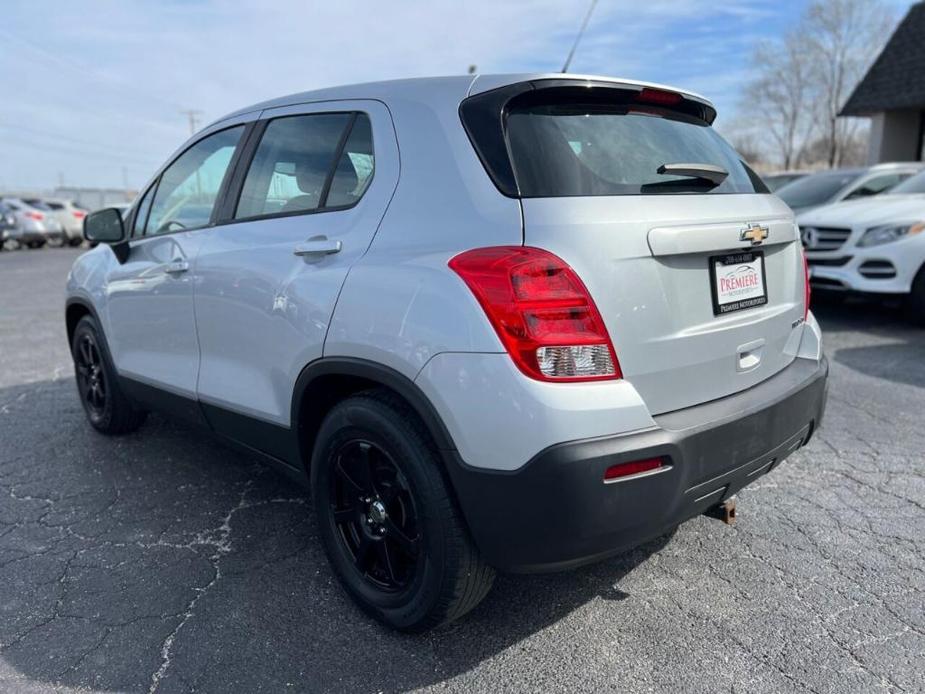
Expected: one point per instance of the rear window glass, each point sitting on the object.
(570, 149)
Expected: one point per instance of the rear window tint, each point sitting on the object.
(577, 150)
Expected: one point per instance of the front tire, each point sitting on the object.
(108, 409)
(389, 525)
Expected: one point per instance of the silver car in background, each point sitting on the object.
(70, 215)
(8, 228)
(36, 224)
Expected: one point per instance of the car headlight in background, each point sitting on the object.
(877, 236)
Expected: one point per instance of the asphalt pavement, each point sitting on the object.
(165, 561)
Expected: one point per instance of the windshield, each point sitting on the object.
(816, 189)
(587, 149)
(916, 184)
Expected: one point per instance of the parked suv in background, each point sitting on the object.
(36, 226)
(872, 246)
(69, 214)
(565, 319)
(827, 187)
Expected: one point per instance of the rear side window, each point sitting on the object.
(574, 149)
(307, 163)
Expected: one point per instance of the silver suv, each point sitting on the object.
(511, 323)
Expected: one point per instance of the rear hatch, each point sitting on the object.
(698, 275)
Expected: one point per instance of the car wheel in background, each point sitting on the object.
(75, 242)
(390, 526)
(107, 408)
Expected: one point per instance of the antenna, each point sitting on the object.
(584, 25)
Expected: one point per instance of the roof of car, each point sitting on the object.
(463, 85)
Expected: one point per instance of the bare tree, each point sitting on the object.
(842, 38)
(802, 81)
(779, 93)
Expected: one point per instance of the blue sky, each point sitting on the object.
(93, 89)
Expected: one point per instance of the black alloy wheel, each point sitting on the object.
(375, 516)
(91, 377)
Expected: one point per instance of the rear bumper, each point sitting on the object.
(555, 512)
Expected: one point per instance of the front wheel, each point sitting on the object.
(108, 409)
(391, 530)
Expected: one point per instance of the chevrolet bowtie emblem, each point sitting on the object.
(754, 233)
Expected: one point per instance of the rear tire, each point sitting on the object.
(108, 409)
(389, 525)
(914, 306)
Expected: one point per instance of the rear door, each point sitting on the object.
(307, 199)
(699, 281)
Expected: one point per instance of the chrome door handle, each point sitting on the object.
(176, 266)
(317, 246)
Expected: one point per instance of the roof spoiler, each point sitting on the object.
(483, 115)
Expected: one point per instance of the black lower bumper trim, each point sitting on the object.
(555, 512)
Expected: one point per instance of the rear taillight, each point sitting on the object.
(542, 312)
(37, 216)
(806, 290)
(79, 214)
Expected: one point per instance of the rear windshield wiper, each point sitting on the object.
(704, 172)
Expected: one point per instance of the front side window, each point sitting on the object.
(294, 168)
(188, 189)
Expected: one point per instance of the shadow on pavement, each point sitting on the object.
(898, 360)
(164, 558)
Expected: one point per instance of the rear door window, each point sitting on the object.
(306, 163)
(575, 149)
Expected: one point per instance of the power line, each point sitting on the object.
(584, 25)
(70, 140)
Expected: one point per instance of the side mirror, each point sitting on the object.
(104, 226)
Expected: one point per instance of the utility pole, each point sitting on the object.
(584, 25)
(193, 116)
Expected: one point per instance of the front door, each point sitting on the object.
(318, 182)
(152, 331)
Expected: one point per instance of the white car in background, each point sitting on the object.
(838, 185)
(70, 215)
(874, 246)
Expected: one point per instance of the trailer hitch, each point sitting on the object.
(725, 511)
